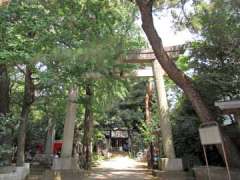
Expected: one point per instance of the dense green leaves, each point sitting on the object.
(214, 62)
(66, 42)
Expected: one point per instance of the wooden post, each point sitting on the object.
(69, 123)
(164, 122)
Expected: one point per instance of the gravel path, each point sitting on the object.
(120, 167)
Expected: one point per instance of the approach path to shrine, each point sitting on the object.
(122, 168)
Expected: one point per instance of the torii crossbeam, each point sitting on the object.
(141, 56)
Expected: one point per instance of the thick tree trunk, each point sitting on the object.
(88, 128)
(148, 103)
(182, 80)
(4, 90)
(148, 119)
(77, 146)
(28, 99)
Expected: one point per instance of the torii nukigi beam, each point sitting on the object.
(230, 107)
(147, 56)
(144, 72)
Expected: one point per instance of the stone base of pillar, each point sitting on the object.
(167, 164)
(65, 164)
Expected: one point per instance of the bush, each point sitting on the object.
(5, 155)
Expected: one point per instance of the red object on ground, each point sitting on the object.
(57, 146)
(39, 148)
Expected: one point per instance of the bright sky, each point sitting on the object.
(165, 29)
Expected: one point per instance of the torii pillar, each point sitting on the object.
(170, 162)
(164, 122)
(67, 161)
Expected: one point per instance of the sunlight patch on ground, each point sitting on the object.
(120, 167)
(119, 163)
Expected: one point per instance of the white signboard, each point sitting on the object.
(210, 135)
(119, 134)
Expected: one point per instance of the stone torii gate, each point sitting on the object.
(147, 57)
(156, 71)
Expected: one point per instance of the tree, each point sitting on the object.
(22, 34)
(88, 127)
(182, 80)
(4, 90)
(31, 32)
(214, 61)
(28, 99)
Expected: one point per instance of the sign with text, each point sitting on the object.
(210, 135)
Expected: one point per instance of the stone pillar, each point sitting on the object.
(50, 138)
(69, 124)
(170, 162)
(67, 161)
(164, 122)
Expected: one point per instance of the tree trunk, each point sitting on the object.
(28, 99)
(130, 141)
(148, 103)
(148, 119)
(77, 143)
(88, 128)
(182, 80)
(4, 90)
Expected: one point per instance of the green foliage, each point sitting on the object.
(5, 154)
(215, 64)
(65, 41)
(7, 128)
(183, 63)
(24, 29)
(128, 112)
(185, 125)
(216, 58)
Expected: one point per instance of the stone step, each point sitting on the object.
(37, 171)
(34, 177)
